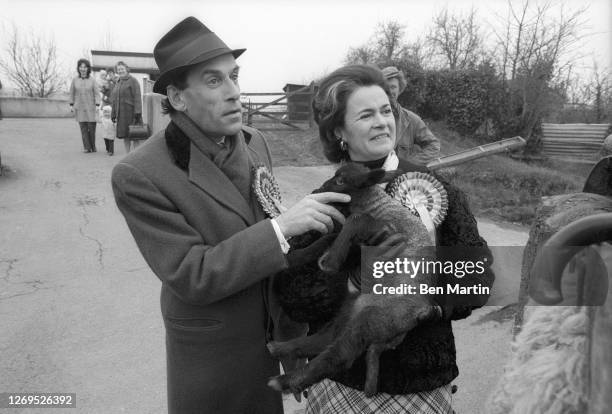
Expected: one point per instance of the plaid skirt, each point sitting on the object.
(330, 397)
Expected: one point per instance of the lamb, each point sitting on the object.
(365, 322)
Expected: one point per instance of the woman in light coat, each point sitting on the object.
(127, 104)
(84, 98)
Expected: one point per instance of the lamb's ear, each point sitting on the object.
(391, 175)
(374, 177)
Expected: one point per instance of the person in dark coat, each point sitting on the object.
(356, 123)
(127, 104)
(187, 197)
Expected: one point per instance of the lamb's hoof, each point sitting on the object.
(272, 348)
(325, 264)
(369, 392)
(275, 384)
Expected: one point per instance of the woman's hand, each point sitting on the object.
(138, 119)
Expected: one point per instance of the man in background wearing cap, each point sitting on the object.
(414, 142)
(187, 198)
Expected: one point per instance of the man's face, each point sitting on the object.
(212, 97)
(394, 88)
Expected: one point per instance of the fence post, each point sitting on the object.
(311, 114)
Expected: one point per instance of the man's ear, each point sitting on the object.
(175, 97)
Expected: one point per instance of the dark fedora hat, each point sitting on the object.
(188, 43)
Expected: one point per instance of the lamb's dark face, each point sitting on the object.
(352, 177)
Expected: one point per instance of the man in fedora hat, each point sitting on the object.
(414, 142)
(187, 198)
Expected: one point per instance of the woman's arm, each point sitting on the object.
(95, 91)
(136, 96)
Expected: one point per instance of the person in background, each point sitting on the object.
(108, 130)
(415, 142)
(126, 104)
(84, 100)
(107, 86)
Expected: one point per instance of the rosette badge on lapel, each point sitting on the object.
(422, 194)
(267, 191)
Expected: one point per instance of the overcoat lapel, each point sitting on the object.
(208, 177)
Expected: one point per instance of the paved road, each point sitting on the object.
(79, 308)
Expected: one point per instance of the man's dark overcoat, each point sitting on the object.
(212, 250)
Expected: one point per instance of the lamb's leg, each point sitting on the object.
(303, 347)
(373, 363)
(311, 253)
(340, 355)
(372, 368)
(358, 227)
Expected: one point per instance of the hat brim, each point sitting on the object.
(164, 79)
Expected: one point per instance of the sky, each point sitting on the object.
(286, 41)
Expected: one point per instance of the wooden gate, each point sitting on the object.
(289, 110)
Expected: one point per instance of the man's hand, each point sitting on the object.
(312, 213)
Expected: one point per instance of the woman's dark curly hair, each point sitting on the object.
(86, 62)
(329, 103)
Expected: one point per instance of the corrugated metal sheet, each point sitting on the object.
(578, 141)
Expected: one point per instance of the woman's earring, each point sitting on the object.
(343, 145)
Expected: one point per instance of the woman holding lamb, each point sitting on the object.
(356, 123)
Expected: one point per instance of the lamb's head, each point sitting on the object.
(352, 177)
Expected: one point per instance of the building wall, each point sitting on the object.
(25, 107)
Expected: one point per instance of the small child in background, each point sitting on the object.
(108, 130)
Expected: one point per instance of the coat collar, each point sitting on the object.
(201, 170)
(401, 124)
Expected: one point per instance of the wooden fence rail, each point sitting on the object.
(287, 109)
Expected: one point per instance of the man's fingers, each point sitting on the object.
(331, 212)
(325, 220)
(330, 197)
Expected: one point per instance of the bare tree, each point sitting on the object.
(389, 41)
(532, 50)
(596, 93)
(385, 47)
(531, 38)
(456, 39)
(107, 42)
(31, 63)
(361, 55)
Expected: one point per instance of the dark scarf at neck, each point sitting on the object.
(373, 164)
(236, 164)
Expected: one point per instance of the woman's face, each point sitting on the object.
(369, 125)
(121, 70)
(83, 70)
